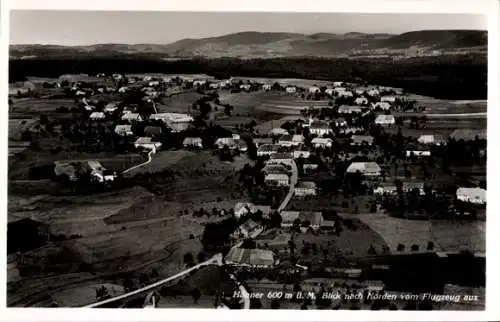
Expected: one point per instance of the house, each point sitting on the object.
(220, 143)
(352, 130)
(339, 122)
(291, 89)
(320, 128)
(307, 218)
(301, 154)
(373, 92)
(382, 106)
(286, 141)
(249, 229)
(275, 169)
(305, 188)
(345, 94)
(199, 83)
(124, 130)
(361, 101)
(314, 89)
(338, 84)
(132, 117)
(256, 258)
(362, 139)
(278, 131)
(97, 116)
(360, 91)
(281, 158)
(146, 143)
(369, 169)
(123, 89)
(430, 139)
(468, 134)
(329, 91)
(266, 87)
(322, 142)
(385, 120)
(472, 195)
(338, 90)
(349, 109)
(388, 98)
(152, 131)
(245, 87)
(100, 173)
(110, 108)
(267, 149)
(214, 85)
(392, 189)
(236, 136)
(241, 145)
(417, 150)
(277, 180)
(261, 141)
(243, 208)
(192, 142)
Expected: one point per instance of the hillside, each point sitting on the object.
(273, 44)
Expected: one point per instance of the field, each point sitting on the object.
(180, 103)
(36, 106)
(447, 236)
(442, 106)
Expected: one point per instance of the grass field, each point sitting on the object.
(449, 106)
(446, 235)
(35, 106)
(180, 103)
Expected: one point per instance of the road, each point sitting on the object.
(216, 259)
(293, 181)
(150, 158)
(478, 114)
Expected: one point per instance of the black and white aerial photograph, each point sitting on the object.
(247, 160)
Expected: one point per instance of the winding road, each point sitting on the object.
(293, 181)
(150, 158)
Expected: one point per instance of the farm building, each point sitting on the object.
(220, 143)
(338, 84)
(291, 89)
(301, 153)
(322, 142)
(267, 149)
(385, 120)
(352, 130)
(172, 117)
(241, 145)
(305, 188)
(391, 189)
(192, 142)
(362, 139)
(369, 169)
(431, 139)
(472, 195)
(329, 91)
(249, 229)
(349, 109)
(345, 94)
(275, 169)
(320, 128)
(124, 130)
(99, 172)
(97, 116)
(307, 218)
(314, 89)
(135, 117)
(340, 122)
(243, 208)
(298, 139)
(283, 157)
(110, 108)
(245, 87)
(279, 131)
(286, 141)
(266, 87)
(373, 92)
(388, 98)
(25, 234)
(257, 258)
(199, 83)
(385, 106)
(417, 150)
(261, 141)
(146, 143)
(361, 101)
(277, 180)
(309, 167)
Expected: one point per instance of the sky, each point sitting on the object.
(128, 27)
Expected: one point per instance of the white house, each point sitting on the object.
(339, 122)
(146, 143)
(418, 152)
(132, 117)
(229, 142)
(345, 94)
(266, 87)
(305, 188)
(314, 89)
(309, 218)
(320, 128)
(281, 158)
(110, 108)
(249, 229)
(255, 258)
(330, 91)
(277, 180)
(123, 89)
(97, 116)
(100, 173)
(349, 109)
(362, 139)
(199, 82)
(291, 89)
(301, 154)
(322, 142)
(472, 195)
(431, 139)
(382, 105)
(361, 101)
(373, 92)
(385, 120)
(279, 131)
(190, 142)
(267, 149)
(388, 98)
(287, 141)
(213, 85)
(245, 87)
(298, 139)
(124, 130)
(369, 169)
(337, 84)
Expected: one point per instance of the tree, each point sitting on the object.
(414, 248)
(188, 258)
(201, 257)
(401, 247)
(430, 245)
(196, 294)
(372, 250)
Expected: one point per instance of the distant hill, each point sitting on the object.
(274, 44)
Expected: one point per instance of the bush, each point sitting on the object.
(401, 247)
(430, 245)
(414, 248)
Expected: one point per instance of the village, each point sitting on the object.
(323, 185)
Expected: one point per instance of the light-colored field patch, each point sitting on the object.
(446, 235)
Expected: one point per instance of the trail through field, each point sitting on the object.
(150, 158)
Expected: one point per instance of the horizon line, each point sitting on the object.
(241, 32)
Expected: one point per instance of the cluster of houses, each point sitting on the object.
(74, 170)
